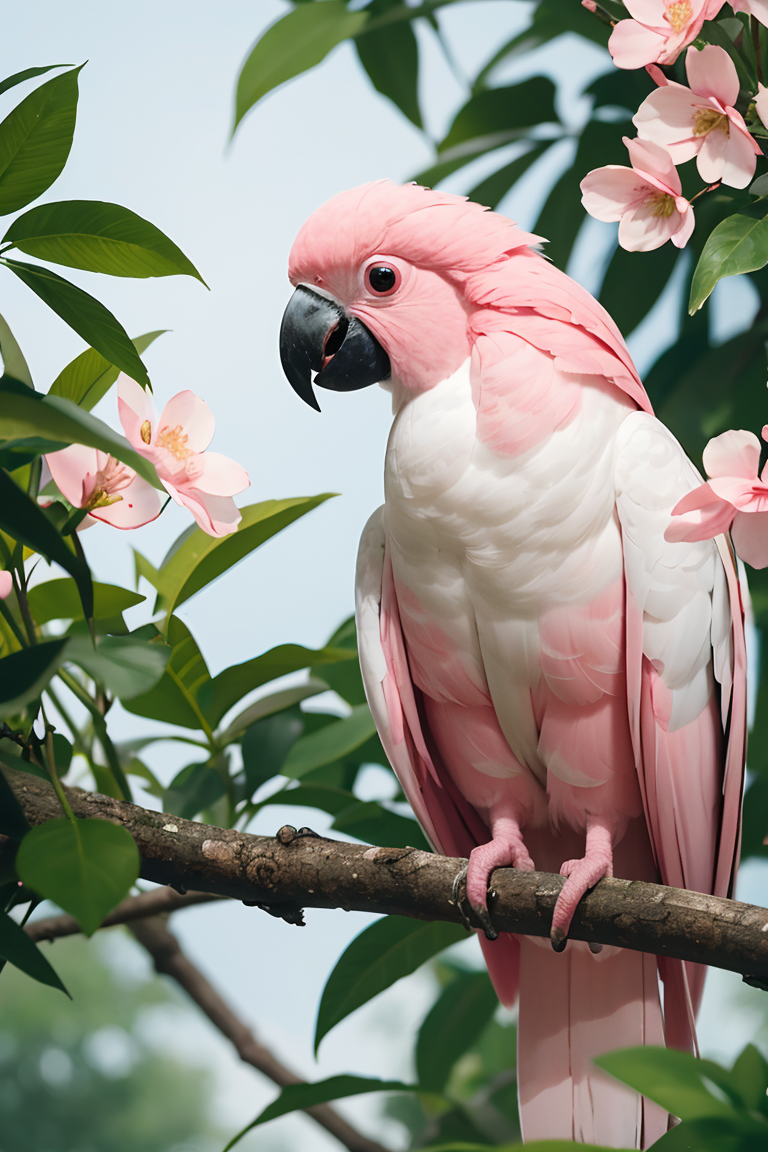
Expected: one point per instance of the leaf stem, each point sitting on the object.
(100, 729)
(50, 763)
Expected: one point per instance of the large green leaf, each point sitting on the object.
(382, 954)
(127, 666)
(35, 139)
(98, 237)
(294, 43)
(330, 743)
(323, 797)
(174, 697)
(85, 867)
(59, 600)
(390, 56)
(223, 691)
(344, 677)
(13, 822)
(24, 520)
(24, 674)
(26, 413)
(88, 377)
(498, 115)
(265, 746)
(268, 706)
(372, 823)
(13, 358)
(453, 1023)
(494, 188)
(89, 318)
(676, 1080)
(300, 1096)
(17, 948)
(27, 74)
(738, 244)
(197, 558)
(193, 788)
(633, 283)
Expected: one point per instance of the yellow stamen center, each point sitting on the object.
(100, 498)
(174, 440)
(708, 120)
(146, 431)
(663, 203)
(678, 14)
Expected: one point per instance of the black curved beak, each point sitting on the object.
(316, 336)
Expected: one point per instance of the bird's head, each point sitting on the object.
(381, 275)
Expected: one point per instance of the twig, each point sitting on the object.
(170, 960)
(134, 908)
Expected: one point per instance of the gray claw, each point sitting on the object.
(477, 916)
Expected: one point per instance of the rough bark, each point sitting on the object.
(288, 872)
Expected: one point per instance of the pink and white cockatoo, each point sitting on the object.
(554, 683)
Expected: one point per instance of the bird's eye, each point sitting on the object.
(382, 279)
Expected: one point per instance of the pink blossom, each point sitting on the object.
(645, 198)
(204, 482)
(701, 120)
(659, 30)
(110, 490)
(761, 104)
(6, 584)
(734, 497)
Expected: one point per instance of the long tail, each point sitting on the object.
(573, 1007)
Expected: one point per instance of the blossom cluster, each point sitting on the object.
(175, 442)
(676, 123)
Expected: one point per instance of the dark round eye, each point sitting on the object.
(382, 279)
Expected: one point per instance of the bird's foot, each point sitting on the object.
(505, 850)
(596, 863)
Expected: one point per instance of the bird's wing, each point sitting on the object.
(686, 670)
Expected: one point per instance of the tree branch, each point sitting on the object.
(288, 872)
(170, 960)
(152, 903)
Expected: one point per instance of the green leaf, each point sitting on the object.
(17, 948)
(301, 1096)
(85, 315)
(266, 744)
(372, 823)
(621, 88)
(127, 666)
(35, 139)
(13, 822)
(197, 559)
(381, 955)
(267, 706)
(494, 188)
(59, 600)
(98, 237)
(738, 244)
(454, 1022)
(749, 1077)
(24, 674)
(26, 522)
(224, 690)
(293, 44)
(13, 359)
(502, 112)
(323, 797)
(344, 677)
(196, 787)
(676, 1080)
(27, 74)
(86, 867)
(633, 283)
(333, 742)
(26, 413)
(390, 56)
(174, 697)
(88, 377)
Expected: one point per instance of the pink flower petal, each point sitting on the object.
(733, 453)
(750, 538)
(219, 475)
(685, 228)
(711, 159)
(140, 503)
(642, 230)
(633, 46)
(666, 118)
(711, 72)
(654, 160)
(193, 416)
(700, 515)
(608, 192)
(216, 515)
(6, 584)
(740, 159)
(738, 492)
(137, 412)
(69, 468)
(651, 13)
(761, 100)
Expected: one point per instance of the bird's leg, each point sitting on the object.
(504, 850)
(596, 863)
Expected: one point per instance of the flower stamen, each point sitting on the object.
(708, 120)
(663, 204)
(679, 13)
(174, 440)
(146, 431)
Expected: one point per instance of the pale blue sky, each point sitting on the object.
(153, 127)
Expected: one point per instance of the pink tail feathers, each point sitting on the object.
(573, 1007)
